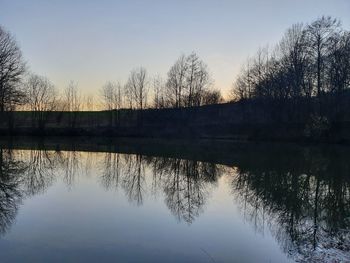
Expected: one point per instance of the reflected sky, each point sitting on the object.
(254, 206)
(91, 42)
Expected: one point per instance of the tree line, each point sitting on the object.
(311, 61)
(188, 83)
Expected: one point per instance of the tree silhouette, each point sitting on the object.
(12, 69)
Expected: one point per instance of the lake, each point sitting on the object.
(133, 200)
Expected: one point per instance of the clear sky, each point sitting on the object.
(91, 42)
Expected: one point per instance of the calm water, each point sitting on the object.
(142, 201)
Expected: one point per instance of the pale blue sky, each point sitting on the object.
(91, 42)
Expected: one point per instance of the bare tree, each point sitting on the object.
(107, 95)
(73, 102)
(176, 82)
(129, 100)
(137, 87)
(295, 59)
(320, 33)
(158, 87)
(197, 80)
(259, 72)
(112, 97)
(72, 97)
(42, 99)
(339, 63)
(12, 68)
(242, 87)
(192, 71)
(188, 79)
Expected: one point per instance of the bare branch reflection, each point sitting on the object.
(10, 193)
(71, 164)
(185, 183)
(308, 213)
(39, 171)
(187, 186)
(303, 201)
(111, 170)
(134, 178)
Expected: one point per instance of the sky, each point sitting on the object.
(92, 42)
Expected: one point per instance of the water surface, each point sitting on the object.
(148, 201)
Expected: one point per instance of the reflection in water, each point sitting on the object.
(38, 172)
(307, 208)
(303, 201)
(71, 163)
(10, 193)
(186, 185)
(134, 179)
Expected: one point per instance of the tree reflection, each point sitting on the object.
(134, 178)
(27, 173)
(10, 194)
(186, 187)
(307, 207)
(302, 196)
(38, 173)
(185, 183)
(111, 170)
(127, 171)
(70, 161)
